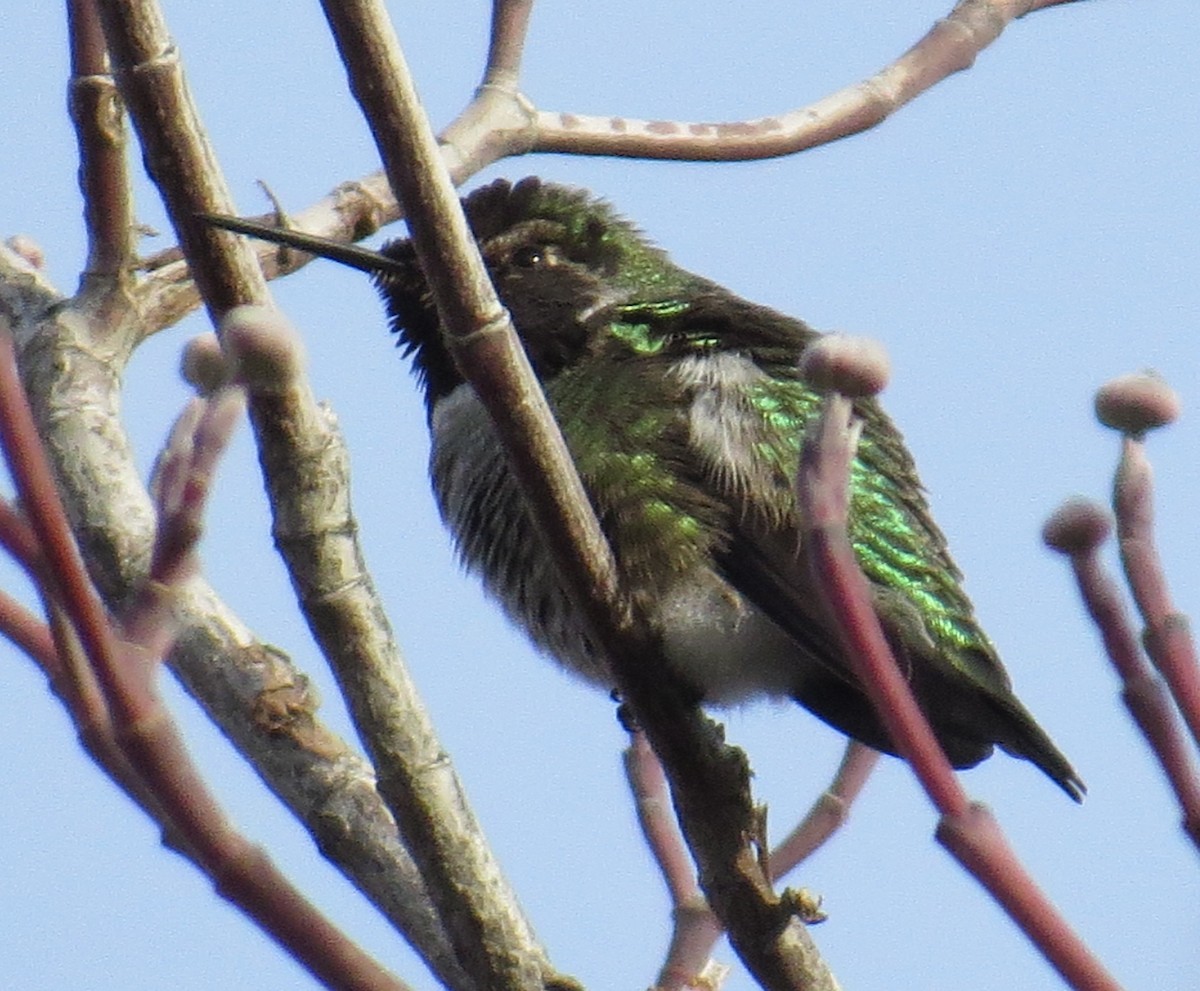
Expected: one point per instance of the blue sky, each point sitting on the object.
(1015, 237)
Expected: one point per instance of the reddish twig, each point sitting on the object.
(967, 829)
(28, 633)
(696, 928)
(183, 474)
(1078, 529)
(828, 813)
(824, 494)
(144, 730)
(16, 536)
(1166, 635)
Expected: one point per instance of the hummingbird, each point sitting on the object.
(684, 411)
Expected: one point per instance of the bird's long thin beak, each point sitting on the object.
(363, 259)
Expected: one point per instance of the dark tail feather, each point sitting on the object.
(1035, 746)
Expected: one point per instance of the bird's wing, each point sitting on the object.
(748, 414)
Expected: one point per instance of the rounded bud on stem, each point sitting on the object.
(1136, 403)
(264, 347)
(1078, 526)
(203, 366)
(852, 366)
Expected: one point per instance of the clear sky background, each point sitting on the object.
(1017, 236)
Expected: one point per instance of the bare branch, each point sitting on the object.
(510, 25)
(823, 492)
(481, 914)
(99, 119)
(950, 46)
(1078, 529)
(967, 829)
(500, 122)
(315, 531)
(176, 150)
(710, 780)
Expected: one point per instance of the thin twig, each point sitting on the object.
(510, 26)
(695, 929)
(1078, 529)
(950, 46)
(1166, 635)
(98, 116)
(147, 734)
(828, 813)
(27, 633)
(967, 829)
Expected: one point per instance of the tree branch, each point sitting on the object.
(710, 780)
(844, 369)
(99, 118)
(144, 730)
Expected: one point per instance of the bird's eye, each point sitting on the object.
(531, 256)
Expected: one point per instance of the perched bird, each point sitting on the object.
(683, 410)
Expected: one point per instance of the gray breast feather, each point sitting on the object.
(718, 641)
(496, 537)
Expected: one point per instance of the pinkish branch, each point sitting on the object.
(1078, 529)
(967, 829)
(160, 771)
(1166, 636)
(696, 928)
(828, 813)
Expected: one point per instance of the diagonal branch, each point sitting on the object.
(146, 733)
(493, 939)
(72, 363)
(176, 151)
(846, 368)
(709, 779)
